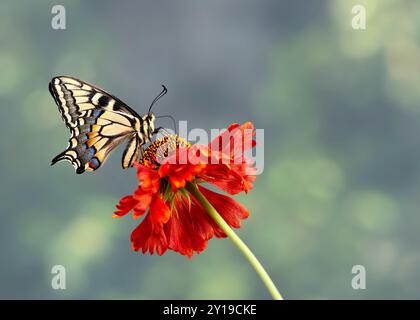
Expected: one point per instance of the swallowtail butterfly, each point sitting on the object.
(99, 122)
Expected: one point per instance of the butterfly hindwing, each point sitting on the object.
(131, 152)
(93, 139)
(98, 123)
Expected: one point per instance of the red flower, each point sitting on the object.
(175, 220)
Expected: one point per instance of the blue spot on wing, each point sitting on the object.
(91, 152)
(85, 128)
(94, 163)
(87, 154)
(82, 138)
(90, 120)
(96, 113)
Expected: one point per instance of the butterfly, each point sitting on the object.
(98, 123)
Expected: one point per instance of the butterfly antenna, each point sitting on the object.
(160, 95)
(173, 120)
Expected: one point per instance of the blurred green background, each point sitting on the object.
(341, 113)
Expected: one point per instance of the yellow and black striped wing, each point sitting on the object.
(98, 123)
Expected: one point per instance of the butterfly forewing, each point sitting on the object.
(98, 123)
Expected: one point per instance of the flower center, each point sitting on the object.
(160, 149)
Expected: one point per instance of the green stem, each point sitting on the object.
(192, 188)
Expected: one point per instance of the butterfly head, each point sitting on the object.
(149, 120)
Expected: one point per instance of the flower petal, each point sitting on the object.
(232, 179)
(148, 239)
(144, 200)
(159, 212)
(230, 210)
(229, 169)
(149, 179)
(179, 174)
(149, 235)
(188, 230)
(125, 205)
(234, 141)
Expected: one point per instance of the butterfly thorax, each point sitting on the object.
(145, 127)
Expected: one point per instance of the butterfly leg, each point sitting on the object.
(156, 131)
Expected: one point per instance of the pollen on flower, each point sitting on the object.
(160, 149)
